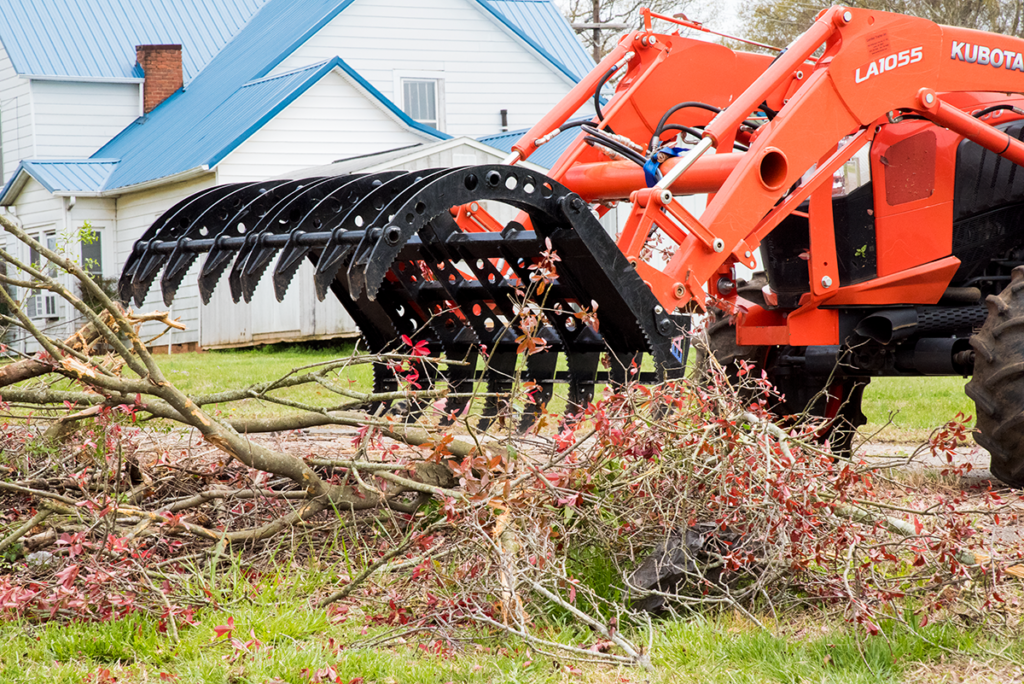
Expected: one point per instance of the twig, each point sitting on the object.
(25, 529)
(382, 561)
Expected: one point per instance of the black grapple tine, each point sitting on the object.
(287, 218)
(500, 378)
(280, 220)
(540, 370)
(241, 211)
(131, 267)
(269, 206)
(582, 373)
(219, 217)
(145, 262)
(213, 221)
(174, 272)
(356, 217)
(322, 217)
(383, 202)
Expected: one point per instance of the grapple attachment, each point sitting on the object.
(416, 254)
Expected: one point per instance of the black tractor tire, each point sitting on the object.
(997, 387)
(803, 394)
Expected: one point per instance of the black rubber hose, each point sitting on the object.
(613, 144)
(663, 124)
(697, 133)
(993, 108)
(597, 94)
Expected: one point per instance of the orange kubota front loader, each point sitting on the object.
(878, 177)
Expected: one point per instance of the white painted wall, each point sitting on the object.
(485, 68)
(332, 120)
(76, 119)
(40, 213)
(15, 116)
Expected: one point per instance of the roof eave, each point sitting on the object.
(14, 186)
(84, 79)
(181, 176)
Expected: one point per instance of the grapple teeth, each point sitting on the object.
(370, 264)
(177, 266)
(124, 283)
(287, 266)
(375, 212)
(582, 372)
(255, 267)
(146, 272)
(500, 377)
(217, 261)
(330, 262)
(540, 369)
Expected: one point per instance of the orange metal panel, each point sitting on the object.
(919, 285)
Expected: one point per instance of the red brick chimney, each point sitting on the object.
(162, 66)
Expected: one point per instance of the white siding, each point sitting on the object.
(40, 213)
(300, 316)
(332, 120)
(485, 69)
(76, 119)
(15, 116)
(136, 213)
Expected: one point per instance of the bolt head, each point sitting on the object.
(659, 310)
(666, 196)
(747, 254)
(847, 16)
(826, 282)
(718, 245)
(929, 98)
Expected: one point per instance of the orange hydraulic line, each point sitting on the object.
(616, 180)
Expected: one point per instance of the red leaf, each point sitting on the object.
(224, 630)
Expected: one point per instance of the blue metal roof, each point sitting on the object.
(69, 175)
(546, 155)
(193, 127)
(97, 38)
(544, 25)
(230, 98)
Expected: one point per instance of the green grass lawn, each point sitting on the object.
(908, 409)
(898, 409)
(296, 640)
(215, 371)
(902, 409)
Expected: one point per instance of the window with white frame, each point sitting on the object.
(92, 253)
(423, 100)
(40, 303)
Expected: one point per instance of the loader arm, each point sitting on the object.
(874, 63)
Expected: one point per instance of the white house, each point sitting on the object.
(111, 112)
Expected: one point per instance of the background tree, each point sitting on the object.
(778, 22)
(618, 14)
